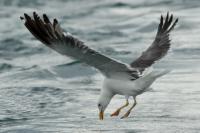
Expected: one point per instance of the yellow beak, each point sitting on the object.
(101, 114)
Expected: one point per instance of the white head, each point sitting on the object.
(103, 102)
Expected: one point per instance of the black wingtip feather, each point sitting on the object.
(35, 16)
(166, 25)
(170, 19)
(27, 17)
(55, 22)
(160, 45)
(22, 18)
(173, 25)
(46, 19)
(36, 27)
(161, 22)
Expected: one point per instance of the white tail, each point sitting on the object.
(155, 73)
(149, 77)
(159, 73)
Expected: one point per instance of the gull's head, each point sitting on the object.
(103, 102)
(102, 107)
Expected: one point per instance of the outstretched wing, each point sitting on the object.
(159, 47)
(53, 36)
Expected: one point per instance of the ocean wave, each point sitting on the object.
(42, 91)
(12, 121)
(21, 3)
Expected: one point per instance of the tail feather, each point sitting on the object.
(149, 77)
(159, 73)
(155, 73)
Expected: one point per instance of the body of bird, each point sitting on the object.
(128, 87)
(120, 78)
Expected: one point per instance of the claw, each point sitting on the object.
(116, 113)
(128, 112)
(125, 115)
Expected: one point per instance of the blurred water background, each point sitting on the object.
(44, 92)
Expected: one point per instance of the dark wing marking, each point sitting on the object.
(53, 36)
(159, 47)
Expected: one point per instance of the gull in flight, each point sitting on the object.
(129, 80)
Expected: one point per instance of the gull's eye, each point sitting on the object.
(99, 105)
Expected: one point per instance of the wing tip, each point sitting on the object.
(160, 45)
(21, 18)
(37, 27)
(167, 23)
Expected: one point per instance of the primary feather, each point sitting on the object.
(160, 45)
(53, 36)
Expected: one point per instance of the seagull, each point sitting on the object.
(129, 80)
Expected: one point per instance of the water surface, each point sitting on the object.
(42, 91)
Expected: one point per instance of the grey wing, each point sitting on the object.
(54, 37)
(159, 47)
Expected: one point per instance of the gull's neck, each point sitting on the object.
(105, 96)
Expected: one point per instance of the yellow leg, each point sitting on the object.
(116, 113)
(128, 112)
